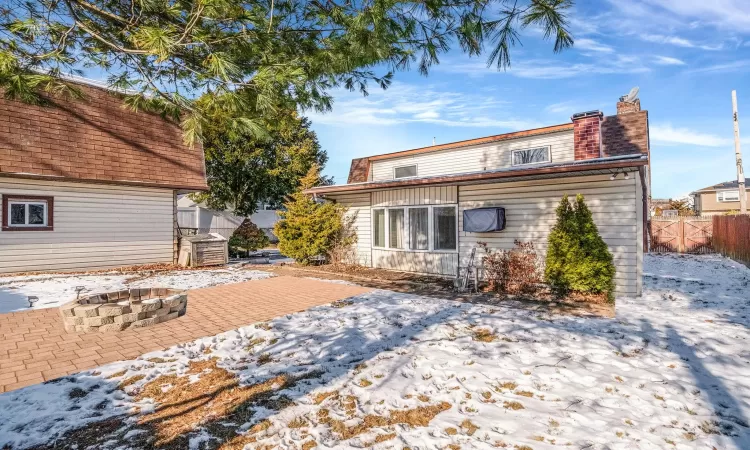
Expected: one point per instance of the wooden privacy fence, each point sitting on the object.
(732, 237)
(681, 234)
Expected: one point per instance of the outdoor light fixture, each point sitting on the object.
(627, 175)
(32, 299)
(614, 175)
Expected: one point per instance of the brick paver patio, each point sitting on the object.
(34, 347)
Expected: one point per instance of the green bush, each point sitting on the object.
(309, 229)
(247, 238)
(578, 259)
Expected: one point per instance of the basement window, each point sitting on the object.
(728, 196)
(531, 156)
(405, 171)
(27, 213)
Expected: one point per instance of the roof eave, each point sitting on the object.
(486, 176)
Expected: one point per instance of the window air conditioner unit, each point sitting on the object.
(484, 220)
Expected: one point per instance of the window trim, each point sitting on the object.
(416, 171)
(721, 199)
(407, 234)
(10, 199)
(546, 147)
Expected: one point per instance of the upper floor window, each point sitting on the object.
(728, 196)
(531, 156)
(405, 171)
(27, 213)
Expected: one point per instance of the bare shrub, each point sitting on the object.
(516, 271)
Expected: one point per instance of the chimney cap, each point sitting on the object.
(583, 115)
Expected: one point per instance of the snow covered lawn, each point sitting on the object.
(54, 290)
(390, 370)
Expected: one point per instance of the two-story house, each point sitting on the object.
(419, 210)
(718, 199)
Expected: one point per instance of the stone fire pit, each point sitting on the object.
(129, 308)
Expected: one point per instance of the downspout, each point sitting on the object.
(646, 218)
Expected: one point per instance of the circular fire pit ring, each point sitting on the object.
(119, 310)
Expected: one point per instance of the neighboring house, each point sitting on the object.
(410, 205)
(719, 199)
(657, 205)
(199, 217)
(88, 184)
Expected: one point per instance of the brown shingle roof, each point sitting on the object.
(96, 139)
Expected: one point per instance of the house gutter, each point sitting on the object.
(612, 163)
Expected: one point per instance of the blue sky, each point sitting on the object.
(685, 55)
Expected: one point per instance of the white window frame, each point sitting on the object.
(720, 195)
(407, 234)
(416, 171)
(26, 204)
(546, 147)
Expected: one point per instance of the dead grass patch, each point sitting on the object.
(505, 385)
(216, 395)
(342, 303)
(381, 438)
(364, 382)
(298, 422)
(469, 427)
(264, 358)
(309, 444)
(423, 398)
(132, 380)
(417, 417)
(483, 335)
(524, 393)
(251, 345)
(160, 360)
(322, 396)
(263, 326)
(515, 406)
(117, 374)
(450, 431)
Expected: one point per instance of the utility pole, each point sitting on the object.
(738, 156)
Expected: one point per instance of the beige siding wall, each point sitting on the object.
(709, 205)
(530, 214)
(359, 206)
(439, 195)
(96, 226)
(436, 263)
(476, 158)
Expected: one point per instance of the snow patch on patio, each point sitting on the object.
(54, 290)
(672, 370)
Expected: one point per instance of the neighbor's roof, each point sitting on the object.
(612, 164)
(725, 185)
(95, 139)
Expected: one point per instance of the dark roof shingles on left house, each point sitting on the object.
(96, 139)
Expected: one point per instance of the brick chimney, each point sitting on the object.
(587, 135)
(628, 107)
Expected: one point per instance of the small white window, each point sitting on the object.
(728, 196)
(405, 171)
(445, 232)
(531, 156)
(27, 214)
(419, 223)
(378, 228)
(395, 228)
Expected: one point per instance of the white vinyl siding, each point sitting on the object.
(359, 205)
(530, 214)
(95, 226)
(476, 158)
(436, 195)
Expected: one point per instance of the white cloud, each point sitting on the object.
(567, 107)
(723, 67)
(678, 41)
(667, 134)
(552, 69)
(668, 61)
(733, 14)
(404, 103)
(592, 45)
